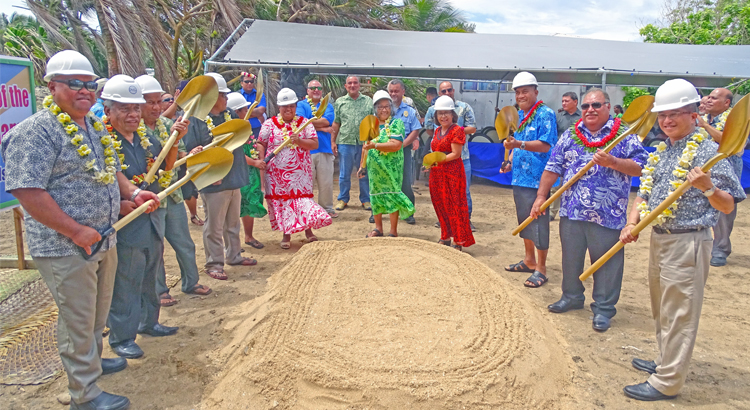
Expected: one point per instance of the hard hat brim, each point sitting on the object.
(287, 103)
(673, 106)
(49, 76)
(125, 100)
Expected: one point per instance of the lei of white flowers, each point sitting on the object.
(684, 165)
(287, 133)
(210, 122)
(107, 176)
(165, 179)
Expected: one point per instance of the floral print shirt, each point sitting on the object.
(528, 166)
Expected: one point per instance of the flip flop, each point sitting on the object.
(374, 233)
(245, 262)
(255, 244)
(390, 235)
(165, 300)
(457, 247)
(285, 245)
(444, 242)
(217, 273)
(519, 267)
(199, 289)
(537, 279)
(197, 221)
(312, 238)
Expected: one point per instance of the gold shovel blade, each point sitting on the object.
(734, 136)
(432, 158)
(637, 108)
(240, 131)
(369, 128)
(645, 126)
(199, 96)
(506, 122)
(323, 105)
(219, 161)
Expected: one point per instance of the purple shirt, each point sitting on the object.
(601, 195)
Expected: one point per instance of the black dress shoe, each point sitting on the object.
(600, 323)
(473, 228)
(128, 350)
(648, 366)
(410, 220)
(645, 392)
(104, 401)
(115, 365)
(158, 330)
(372, 219)
(564, 305)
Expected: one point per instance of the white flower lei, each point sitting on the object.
(107, 176)
(684, 165)
(210, 122)
(165, 179)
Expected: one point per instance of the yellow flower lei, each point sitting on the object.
(165, 177)
(310, 101)
(210, 122)
(684, 165)
(106, 176)
(387, 128)
(285, 133)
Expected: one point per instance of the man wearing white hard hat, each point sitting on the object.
(62, 167)
(289, 184)
(222, 200)
(681, 239)
(135, 305)
(531, 145)
(251, 206)
(175, 223)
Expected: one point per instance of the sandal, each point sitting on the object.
(217, 273)
(457, 247)
(519, 267)
(390, 235)
(244, 262)
(197, 221)
(374, 233)
(446, 242)
(255, 244)
(312, 238)
(285, 245)
(165, 300)
(537, 279)
(199, 289)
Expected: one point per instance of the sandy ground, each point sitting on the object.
(182, 372)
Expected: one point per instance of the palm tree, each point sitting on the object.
(432, 15)
(22, 36)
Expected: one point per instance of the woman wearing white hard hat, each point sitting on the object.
(681, 240)
(252, 195)
(447, 178)
(384, 167)
(289, 182)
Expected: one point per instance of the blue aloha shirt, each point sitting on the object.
(528, 166)
(466, 118)
(694, 210)
(601, 195)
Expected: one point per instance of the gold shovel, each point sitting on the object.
(733, 142)
(258, 93)
(637, 114)
(369, 129)
(433, 158)
(197, 99)
(229, 135)
(204, 169)
(319, 113)
(506, 123)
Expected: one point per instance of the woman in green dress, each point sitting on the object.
(385, 168)
(251, 206)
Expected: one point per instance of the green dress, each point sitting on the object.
(252, 196)
(386, 171)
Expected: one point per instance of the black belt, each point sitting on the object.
(663, 231)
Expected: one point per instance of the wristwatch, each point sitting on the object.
(135, 194)
(710, 191)
(523, 145)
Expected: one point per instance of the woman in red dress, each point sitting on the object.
(447, 178)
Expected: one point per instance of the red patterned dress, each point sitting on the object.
(448, 189)
(291, 207)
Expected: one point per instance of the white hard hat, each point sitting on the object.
(123, 89)
(149, 84)
(236, 101)
(444, 103)
(379, 95)
(68, 62)
(221, 82)
(675, 94)
(286, 97)
(524, 78)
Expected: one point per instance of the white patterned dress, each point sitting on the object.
(291, 207)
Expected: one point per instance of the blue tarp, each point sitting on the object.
(486, 159)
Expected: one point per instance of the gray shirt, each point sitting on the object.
(38, 154)
(566, 120)
(693, 211)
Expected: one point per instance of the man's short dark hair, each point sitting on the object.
(431, 91)
(398, 82)
(570, 94)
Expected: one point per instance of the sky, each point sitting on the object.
(600, 19)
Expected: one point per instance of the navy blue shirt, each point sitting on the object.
(254, 122)
(324, 138)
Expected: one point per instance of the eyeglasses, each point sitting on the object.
(672, 117)
(249, 81)
(315, 88)
(168, 100)
(383, 108)
(596, 105)
(76, 85)
(446, 91)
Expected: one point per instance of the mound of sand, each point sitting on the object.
(390, 323)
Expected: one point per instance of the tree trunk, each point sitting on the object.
(112, 62)
(294, 78)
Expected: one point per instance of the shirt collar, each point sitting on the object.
(605, 130)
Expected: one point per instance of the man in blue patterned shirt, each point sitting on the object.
(531, 145)
(594, 209)
(681, 239)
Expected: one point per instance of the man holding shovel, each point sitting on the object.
(51, 160)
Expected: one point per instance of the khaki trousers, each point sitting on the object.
(677, 273)
(221, 233)
(82, 290)
(322, 169)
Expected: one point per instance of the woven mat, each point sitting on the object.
(28, 333)
(11, 280)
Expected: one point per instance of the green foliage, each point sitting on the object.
(432, 15)
(631, 93)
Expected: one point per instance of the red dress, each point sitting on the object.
(448, 189)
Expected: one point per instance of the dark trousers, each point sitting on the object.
(722, 230)
(577, 237)
(134, 299)
(408, 170)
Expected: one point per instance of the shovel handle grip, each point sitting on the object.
(98, 246)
